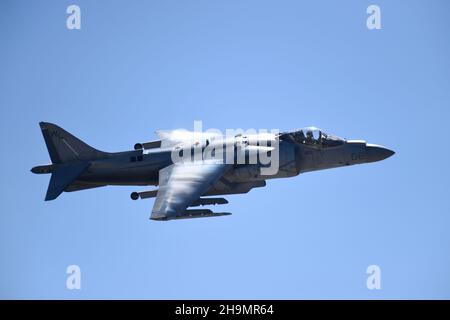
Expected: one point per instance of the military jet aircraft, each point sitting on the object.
(189, 183)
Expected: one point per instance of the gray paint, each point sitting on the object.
(77, 166)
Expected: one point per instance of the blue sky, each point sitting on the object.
(138, 66)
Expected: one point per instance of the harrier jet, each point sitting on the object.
(189, 169)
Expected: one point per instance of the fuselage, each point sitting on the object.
(139, 168)
(234, 163)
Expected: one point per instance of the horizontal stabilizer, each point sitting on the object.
(63, 176)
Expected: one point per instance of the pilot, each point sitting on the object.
(299, 136)
(320, 139)
(309, 137)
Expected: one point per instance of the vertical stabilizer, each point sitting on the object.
(64, 147)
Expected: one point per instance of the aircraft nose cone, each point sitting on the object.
(377, 153)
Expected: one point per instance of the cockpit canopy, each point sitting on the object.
(314, 137)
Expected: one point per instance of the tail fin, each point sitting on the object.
(64, 147)
(70, 157)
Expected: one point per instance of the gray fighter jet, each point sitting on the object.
(188, 182)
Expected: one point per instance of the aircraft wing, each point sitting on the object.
(181, 185)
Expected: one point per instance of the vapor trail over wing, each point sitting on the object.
(182, 184)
